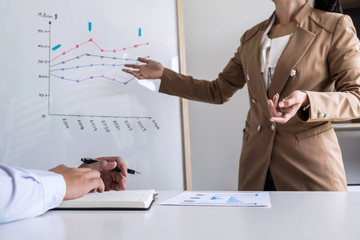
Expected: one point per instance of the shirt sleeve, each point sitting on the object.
(28, 193)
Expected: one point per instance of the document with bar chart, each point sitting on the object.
(64, 96)
(220, 199)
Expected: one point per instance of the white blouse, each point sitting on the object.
(271, 50)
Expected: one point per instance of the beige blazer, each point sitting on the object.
(322, 55)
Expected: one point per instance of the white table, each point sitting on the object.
(293, 215)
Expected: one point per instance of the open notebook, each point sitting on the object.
(117, 200)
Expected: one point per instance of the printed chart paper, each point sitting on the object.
(225, 199)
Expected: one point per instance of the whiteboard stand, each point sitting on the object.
(184, 102)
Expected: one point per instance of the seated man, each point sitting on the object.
(29, 193)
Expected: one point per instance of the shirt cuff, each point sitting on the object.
(54, 188)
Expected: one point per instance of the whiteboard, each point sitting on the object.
(63, 95)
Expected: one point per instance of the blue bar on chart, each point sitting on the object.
(56, 47)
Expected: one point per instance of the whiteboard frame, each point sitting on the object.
(184, 103)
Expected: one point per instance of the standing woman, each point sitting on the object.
(302, 67)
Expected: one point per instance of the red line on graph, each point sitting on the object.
(99, 47)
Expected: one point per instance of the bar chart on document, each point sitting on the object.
(66, 91)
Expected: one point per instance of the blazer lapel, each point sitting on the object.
(256, 82)
(298, 44)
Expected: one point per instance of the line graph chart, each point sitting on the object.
(98, 46)
(53, 70)
(85, 78)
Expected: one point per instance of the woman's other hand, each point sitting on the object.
(283, 111)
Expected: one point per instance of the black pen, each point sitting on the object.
(91, 160)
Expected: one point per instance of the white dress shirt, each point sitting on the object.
(28, 193)
(271, 50)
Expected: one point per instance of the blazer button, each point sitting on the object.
(272, 127)
(247, 76)
(293, 73)
(321, 115)
(259, 128)
(253, 100)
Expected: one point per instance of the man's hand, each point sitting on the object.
(113, 180)
(283, 111)
(79, 181)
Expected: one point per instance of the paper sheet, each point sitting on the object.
(226, 199)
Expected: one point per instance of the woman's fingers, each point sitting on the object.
(276, 99)
(136, 66)
(272, 108)
(143, 60)
(134, 73)
(284, 119)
